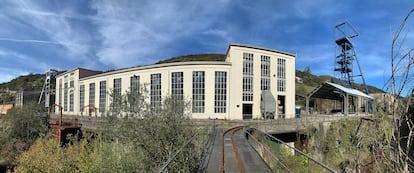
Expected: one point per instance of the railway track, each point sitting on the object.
(228, 157)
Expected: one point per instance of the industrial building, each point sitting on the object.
(250, 83)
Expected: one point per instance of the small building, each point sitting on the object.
(25, 97)
(229, 89)
(5, 107)
(344, 100)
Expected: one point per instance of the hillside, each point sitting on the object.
(310, 82)
(27, 82)
(196, 57)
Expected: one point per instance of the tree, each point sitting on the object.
(21, 127)
(158, 132)
(400, 82)
(137, 138)
(90, 154)
(44, 156)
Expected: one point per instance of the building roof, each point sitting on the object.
(333, 91)
(98, 73)
(159, 66)
(259, 48)
(80, 69)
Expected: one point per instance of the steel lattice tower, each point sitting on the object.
(48, 90)
(346, 56)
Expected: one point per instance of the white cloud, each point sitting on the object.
(53, 27)
(23, 61)
(311, 9)
(137, 31)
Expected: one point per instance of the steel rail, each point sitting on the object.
(235, 150)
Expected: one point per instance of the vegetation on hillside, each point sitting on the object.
(21, 127)
(310, 82)
(6, 97)
(354, 144)
(195, 57)
(30, 82)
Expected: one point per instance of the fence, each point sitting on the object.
(294, 124)
(276, 154)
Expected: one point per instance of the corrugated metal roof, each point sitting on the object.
(328, 91)
(350, 91)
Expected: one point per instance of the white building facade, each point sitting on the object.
(229, 89)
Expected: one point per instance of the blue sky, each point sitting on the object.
(102, 35)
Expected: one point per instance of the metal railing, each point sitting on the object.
(207, 149)
(276, 154)
(294, 124)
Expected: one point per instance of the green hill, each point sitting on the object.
(28, 82)
(196, 57)
(310, 82)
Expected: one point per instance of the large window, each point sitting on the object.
(247, 77)
(117, 95)
(265, 72)
(155, 93)
(71, 95)
(92, 94)
(102, 96)
(81, 97)
(220, 92)
(117, 86)
(281, 75)
(247, 64)
(65, 97)
(134, 84)
(60, 92)
(177, 85)
(198, 91)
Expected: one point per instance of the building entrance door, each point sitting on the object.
(281, 107)
(247, 111)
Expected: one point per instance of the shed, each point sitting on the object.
(353, 101)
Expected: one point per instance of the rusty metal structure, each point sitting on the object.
(61, 128)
